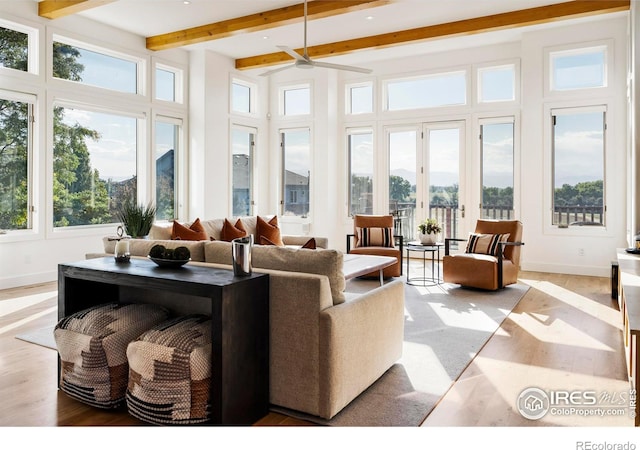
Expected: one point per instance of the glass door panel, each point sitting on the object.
(443, 153)
(403, 147)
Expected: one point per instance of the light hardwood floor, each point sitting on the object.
(564, 334)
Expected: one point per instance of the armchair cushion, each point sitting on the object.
(486, 244)
(374, 237)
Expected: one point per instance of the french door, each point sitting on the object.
(426, 161)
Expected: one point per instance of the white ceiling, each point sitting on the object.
(152, 17)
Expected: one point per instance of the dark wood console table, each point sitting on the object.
(238, 306)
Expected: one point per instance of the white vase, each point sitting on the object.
(427, 239)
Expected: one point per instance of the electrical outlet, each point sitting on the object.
(580, 252)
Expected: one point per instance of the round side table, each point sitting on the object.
(424, 280)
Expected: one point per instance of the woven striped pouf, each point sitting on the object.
(92, 345)
(170, 372)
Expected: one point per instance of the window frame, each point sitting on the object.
(253, 97)
(282, 191)
(179, 82)
(348, 107)
(465, 71)
(33, 48)
(360, 131)
(607, 89)
(178, 163)
(32, 168)
(548, 227)
(291, 87)
(142, 87)
(252, 162)
(143, 182)
(497, 120)
(477, 87)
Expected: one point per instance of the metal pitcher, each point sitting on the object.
(241, 255)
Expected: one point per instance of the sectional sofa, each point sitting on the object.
(327, 346)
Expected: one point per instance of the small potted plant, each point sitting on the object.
(137, 219)
(428, 231)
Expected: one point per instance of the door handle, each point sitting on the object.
(462, 211)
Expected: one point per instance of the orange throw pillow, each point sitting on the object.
(194, 233)
(269, 230)
(230, 231)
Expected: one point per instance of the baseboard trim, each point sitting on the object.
(590, 271)
(28, 279)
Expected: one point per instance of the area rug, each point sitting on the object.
(43, 337)
(445, 328)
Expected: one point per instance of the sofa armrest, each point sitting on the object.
(360, 340)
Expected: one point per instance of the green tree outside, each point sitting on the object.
(80, 196)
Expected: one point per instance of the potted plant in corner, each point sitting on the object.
(428, 231)
(137, 218)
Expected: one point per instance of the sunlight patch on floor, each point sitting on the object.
(580, 302)
(438, 379)
(12, 305)
(472, 320)
(557, 331)
(28, 319)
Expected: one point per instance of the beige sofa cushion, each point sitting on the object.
(319, 261)
(141, 247)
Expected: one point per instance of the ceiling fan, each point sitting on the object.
(305, 62)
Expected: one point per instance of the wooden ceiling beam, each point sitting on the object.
(521, 18)
(258, 22)
(54, 9)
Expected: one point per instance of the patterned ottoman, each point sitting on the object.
(92, 345)
(170, 372)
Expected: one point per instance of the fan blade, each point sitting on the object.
(291, 52)
(280, 69)
(340, 67)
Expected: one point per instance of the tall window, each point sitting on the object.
(578, 166)
(243, 142)
(296, 176)
(168, 133)
(444, 89)
(15, 153)
(496, 144)
(361, 163)
(94, 68)
(94, 165)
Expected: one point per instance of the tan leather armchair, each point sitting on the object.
(361, 221)
(486, 271)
